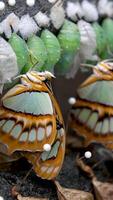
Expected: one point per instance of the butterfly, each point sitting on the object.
(91, 117)
(30, 122)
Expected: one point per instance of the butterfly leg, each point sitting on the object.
(48, 164)
(84, 167)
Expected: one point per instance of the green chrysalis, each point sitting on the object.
(37, 53)
(101, 40)
(20, 48)
(108, 29)
(69, 38)
(53, 49)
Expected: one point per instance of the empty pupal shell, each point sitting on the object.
(42, 19)
(27, 26)
(10, 24)
(8, 62)
(105, 7)
(87, 39)
(89, 10)
(57, 16)
(74, 10)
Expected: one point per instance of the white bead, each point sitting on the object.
(30, 3)
(1, 198)
(88, 154)
(11, 2)
(52, 1)
(72, 100)
(2, 5)
(47, 147)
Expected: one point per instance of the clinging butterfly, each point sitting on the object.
(30, 118)
(92, 115)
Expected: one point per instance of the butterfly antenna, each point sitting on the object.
(33, 66)
(17, 77)
(87, 65)
(16, 188)
(84, 167)
(108, 60)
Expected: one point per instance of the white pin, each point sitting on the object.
(11, 2)
(88, 154)
(30, 3)
(2, 5)
(72, 100)
(47, 147)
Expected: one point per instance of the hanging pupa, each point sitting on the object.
(37, 54)
(108, 29)
(21, 50)
(69, 38)
(101, 41)
(53, 49)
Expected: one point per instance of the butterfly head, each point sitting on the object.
(104, 67)
(102, 71)
(36, 77)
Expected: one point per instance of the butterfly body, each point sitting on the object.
(29, 118)
(92, 114)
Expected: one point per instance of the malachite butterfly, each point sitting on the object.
(30, 118)
(91, 117)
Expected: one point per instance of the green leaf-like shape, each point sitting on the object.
(37, 53)
(108, 29)
(101, 40)
(53, 49)
(20, 48)
(64, 63)
(69, 37)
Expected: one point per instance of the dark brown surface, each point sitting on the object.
(70, 176)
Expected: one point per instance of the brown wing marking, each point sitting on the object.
(26, 132)
(100, 129)
(48, 169)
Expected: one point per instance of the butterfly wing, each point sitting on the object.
(92, 114)
(27, 119)
(48, 164)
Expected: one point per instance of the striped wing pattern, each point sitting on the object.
(93, 121)
(29, 118)
(48, 164)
